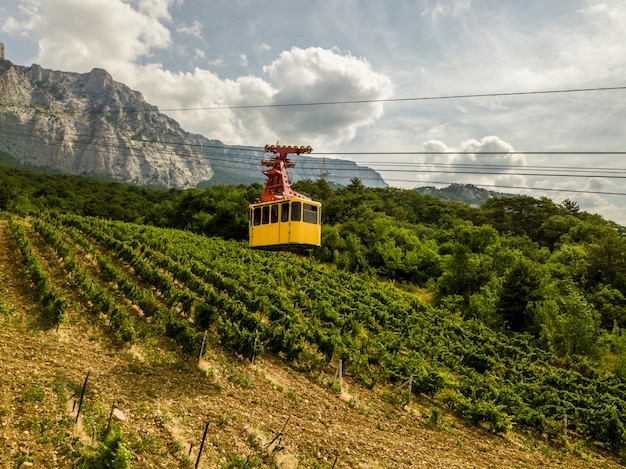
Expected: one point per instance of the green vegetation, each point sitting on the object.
(53, 302)
(35, 394)
(510, 315)
(112, 452)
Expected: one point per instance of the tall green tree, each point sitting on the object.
(464, 272)
(520, 287)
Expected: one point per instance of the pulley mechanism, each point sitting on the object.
(277, 186)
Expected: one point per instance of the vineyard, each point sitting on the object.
(203, 294)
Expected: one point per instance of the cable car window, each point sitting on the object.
(284, 214)
(257, 216)
(274, 214)
(310, 213)
(296, 211)
(265, 218)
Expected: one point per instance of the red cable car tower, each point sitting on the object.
(277, 186)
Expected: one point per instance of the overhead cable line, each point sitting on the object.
(241, 159)
(418, 167)
(487, 170)
(395, 100)
(327, 154)
(509, 173)
(367, 101)
(492, 166)
(498, 186)
(479, 152)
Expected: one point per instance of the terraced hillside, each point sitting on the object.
(128, 309)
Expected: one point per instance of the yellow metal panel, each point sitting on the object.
(275, 233)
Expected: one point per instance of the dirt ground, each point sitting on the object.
(264, 409)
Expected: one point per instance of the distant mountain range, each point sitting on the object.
(89, 124)
(464, 193)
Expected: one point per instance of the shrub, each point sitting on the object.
(112, 453)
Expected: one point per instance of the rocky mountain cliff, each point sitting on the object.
(464, 193)
(89, 124)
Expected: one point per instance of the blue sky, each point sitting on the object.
(193, 54)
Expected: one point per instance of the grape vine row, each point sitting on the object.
(312, 314)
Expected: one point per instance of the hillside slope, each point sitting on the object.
(263, 412)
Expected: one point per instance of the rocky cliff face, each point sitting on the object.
(88, 124)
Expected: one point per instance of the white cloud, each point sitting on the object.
(157, 9)
(599, 10)
(317, 75)
(79, 36)
(13, 25)
(488, 161)
(194, 29)
(591, 195)
(437, 9)
(298, 75)
(197, 89)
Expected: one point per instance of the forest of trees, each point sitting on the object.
(518, 264)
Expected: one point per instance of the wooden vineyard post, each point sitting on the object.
(82, 395)
(339, 376)
(279, 435)
(410, 388)
(202, 346)
(254, 347)
(409, 384)
(206, 429)
(110, 417)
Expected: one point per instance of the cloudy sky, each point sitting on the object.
(445, 90)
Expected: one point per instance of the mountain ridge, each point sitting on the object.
(468, 194)
(89, 124)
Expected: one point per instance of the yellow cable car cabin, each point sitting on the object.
(292, 222)
(282, 218)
